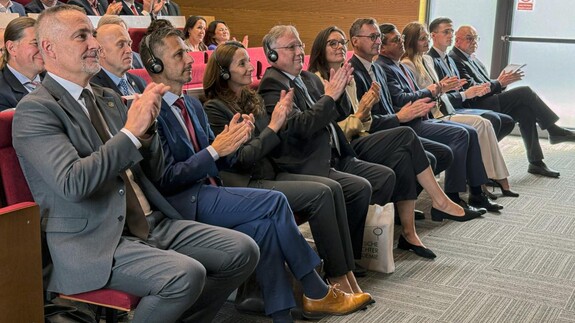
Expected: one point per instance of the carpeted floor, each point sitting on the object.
(516, 266)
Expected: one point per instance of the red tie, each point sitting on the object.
(190, 126)
(134, 10)
(411, 85)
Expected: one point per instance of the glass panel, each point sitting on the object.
(550, 78)
(479, 14)
(549, 18)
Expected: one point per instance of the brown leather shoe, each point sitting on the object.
(336, 302)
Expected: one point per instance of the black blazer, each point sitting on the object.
(382, 117)
(304, 147)
(102, 79)
(171, 9)
(36, 6)
(11, 90)
(443, 69)
(126, 11)
(89, 11)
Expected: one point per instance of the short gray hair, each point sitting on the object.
(111, 20)
(48, 23)
(276, 32)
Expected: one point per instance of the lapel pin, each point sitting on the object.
(110, 104)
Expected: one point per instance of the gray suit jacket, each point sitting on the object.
(75, 180)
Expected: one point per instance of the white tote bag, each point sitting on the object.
(377, 251)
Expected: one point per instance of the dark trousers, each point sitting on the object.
(265, 216)
(467, 166)
(527, 108)
(321, 201)
(400, 150)
(185, 269)
(363, 183)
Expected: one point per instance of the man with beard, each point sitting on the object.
(89, 163)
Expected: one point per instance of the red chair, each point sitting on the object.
(141, 72)
(199, 57)
(136, 34)
(349, 55)
(16, 190)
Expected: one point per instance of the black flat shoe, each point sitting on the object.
(481, 200)
(542, 170)
(437, 215)
(403, 244)
(359, 271)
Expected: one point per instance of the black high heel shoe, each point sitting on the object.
(421, 251)
(509, 193)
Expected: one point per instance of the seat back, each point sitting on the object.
(199, 57)
(136, 34)
(15, 186)
(141, 72)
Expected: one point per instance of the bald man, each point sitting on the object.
(116, 59)
(521, 103)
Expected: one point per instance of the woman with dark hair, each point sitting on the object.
(398, 148)
(416, 45)
(219, 33)
(227, 88)
(194, 32)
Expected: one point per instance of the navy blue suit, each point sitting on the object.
(502, 123)
(102, 79)
(89, 10)
(461, 138)
(36, 6)
(262, 214)
(11, 90)
(521, 103)
(127, 11)
(384, 118)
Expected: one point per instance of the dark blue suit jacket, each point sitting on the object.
(18, 8)
(443, 70)
(11, 90)
(126, 11)
(398, 84)
(102, 79)
(382, 117)
(185, 169)
(89, 11)
(36, 6)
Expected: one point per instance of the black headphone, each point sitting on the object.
(153, 64)
(224, 72)
(271, 54)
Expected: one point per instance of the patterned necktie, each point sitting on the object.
(334, 142)
(191, 130)
(123, 86)
(134, 11)
(31, 86)
(135, 215)
(408, 78)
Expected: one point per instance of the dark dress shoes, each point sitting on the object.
(403, 244)
(437, 215)
(336, 302)
(542, 169)
(481, 200)
(468, 207)
(359, 271)
(567, 136)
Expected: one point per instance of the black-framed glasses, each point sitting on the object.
(397, 39)
(333, 43)
(372, 37)
(472, 38)
(293, 47)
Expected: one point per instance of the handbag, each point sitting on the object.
(377, 251)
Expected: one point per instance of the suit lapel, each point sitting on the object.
(174, 127)
(201, 133)
(14, 82)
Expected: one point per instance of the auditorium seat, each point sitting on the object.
(141, 72)
(199, 57)
(136, 34)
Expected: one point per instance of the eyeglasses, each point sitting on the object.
(448, 31)
(335, 43)
(472, 38)
(372, 37)
(293, 47)
(397, 39)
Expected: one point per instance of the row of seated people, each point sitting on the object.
(342, 139)
(95, 7)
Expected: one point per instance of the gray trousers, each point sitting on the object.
(184, 270)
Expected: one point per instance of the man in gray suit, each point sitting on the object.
(89, 163)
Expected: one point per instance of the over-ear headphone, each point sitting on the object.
(271, 54)
(224, 72)
(153, 64)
